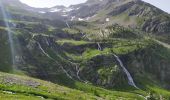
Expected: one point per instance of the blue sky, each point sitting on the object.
(162, 4)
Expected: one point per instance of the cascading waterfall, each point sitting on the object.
(78, 72)
(46, 54)
(99, 47)
(130, 79)
(10, 35)
(77, 69)
(47, 42)
(82, 33)
(43, 50)
(67, 24)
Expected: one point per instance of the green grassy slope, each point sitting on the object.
(104, 79)
(23, 87)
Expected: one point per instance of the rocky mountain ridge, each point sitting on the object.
(121, 43)
(128, 13)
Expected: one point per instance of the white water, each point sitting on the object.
(41, 97)
(43, 50)
(130, 79)
(78, 71)
(145, 98)
(13, 54)
(77, 68)
(99, 47)
(67, 24)
(47, 41)
(82, 33)
(46, 54)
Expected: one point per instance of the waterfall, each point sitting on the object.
(47, 41)
(10, 35)
(46, 54)
(130, 79)
(99, 47)
(77, 69)
(43, 51)
(67, 24)
(82, 33)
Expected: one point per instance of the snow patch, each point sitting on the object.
(88, 18)
(80, 19)
(107, 19)
(55, 10)
(42, 12)
(77, 8)
(65, 15)
(73, 17)
(67, 10)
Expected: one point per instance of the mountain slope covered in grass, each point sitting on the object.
(90, 51)
(23, 88)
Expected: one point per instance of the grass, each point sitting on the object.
(70, 31)
(119, 46)
(14, 86)
(101, 92)
(72, 42)
(151, 85)
(23, 88)
(20, 21)
(26, 88)
(9, 96)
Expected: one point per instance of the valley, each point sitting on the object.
(97, 50)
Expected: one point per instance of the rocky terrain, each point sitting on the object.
(100, 49)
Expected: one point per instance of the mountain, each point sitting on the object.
(128, 13)
(100, 49)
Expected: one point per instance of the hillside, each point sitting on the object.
(97, 50)
(22, 87)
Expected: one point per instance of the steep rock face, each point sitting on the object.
(145, 16)
(122, 8)
(87, 9)
(5, 59)
(144, 9)
(104, 71)
(149, 60)
(157, 26)
(44, 58)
